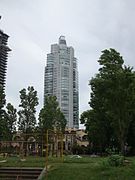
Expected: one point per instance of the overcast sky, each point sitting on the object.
(90, 26)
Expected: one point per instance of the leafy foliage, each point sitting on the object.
(50, 116)
(29, 101)
(10, 120)
(112, 102)
(116, 160)
(98, 130)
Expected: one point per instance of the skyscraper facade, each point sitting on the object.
(61, 80)
(4, 49)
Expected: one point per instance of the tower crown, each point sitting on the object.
(62, 40)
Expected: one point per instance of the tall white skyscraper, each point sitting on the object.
(61, 80)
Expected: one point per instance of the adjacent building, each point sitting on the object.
(61, 80)
(75, 137)
(4, 49)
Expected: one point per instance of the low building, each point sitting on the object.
(75, 136)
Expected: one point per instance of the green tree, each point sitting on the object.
(98, 130)
(131, 138)
(119, 94)
(113, 97)
(27, 118)
(10, 119)
(50, 116)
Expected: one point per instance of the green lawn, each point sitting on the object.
(91, 169)
(86, 168)
(29, 162)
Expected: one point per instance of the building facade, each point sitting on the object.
(4, 49)
(61, 80)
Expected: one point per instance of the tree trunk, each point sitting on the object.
(122, 146)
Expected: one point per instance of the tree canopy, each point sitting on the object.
(29, 101)
(50, 116)
(10, 119)
(112, 101)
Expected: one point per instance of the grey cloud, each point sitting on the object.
(89, 26)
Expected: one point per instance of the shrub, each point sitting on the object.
(116, 160)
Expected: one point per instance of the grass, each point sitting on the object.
(86, 168)
(29, 162)
(91, 169)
